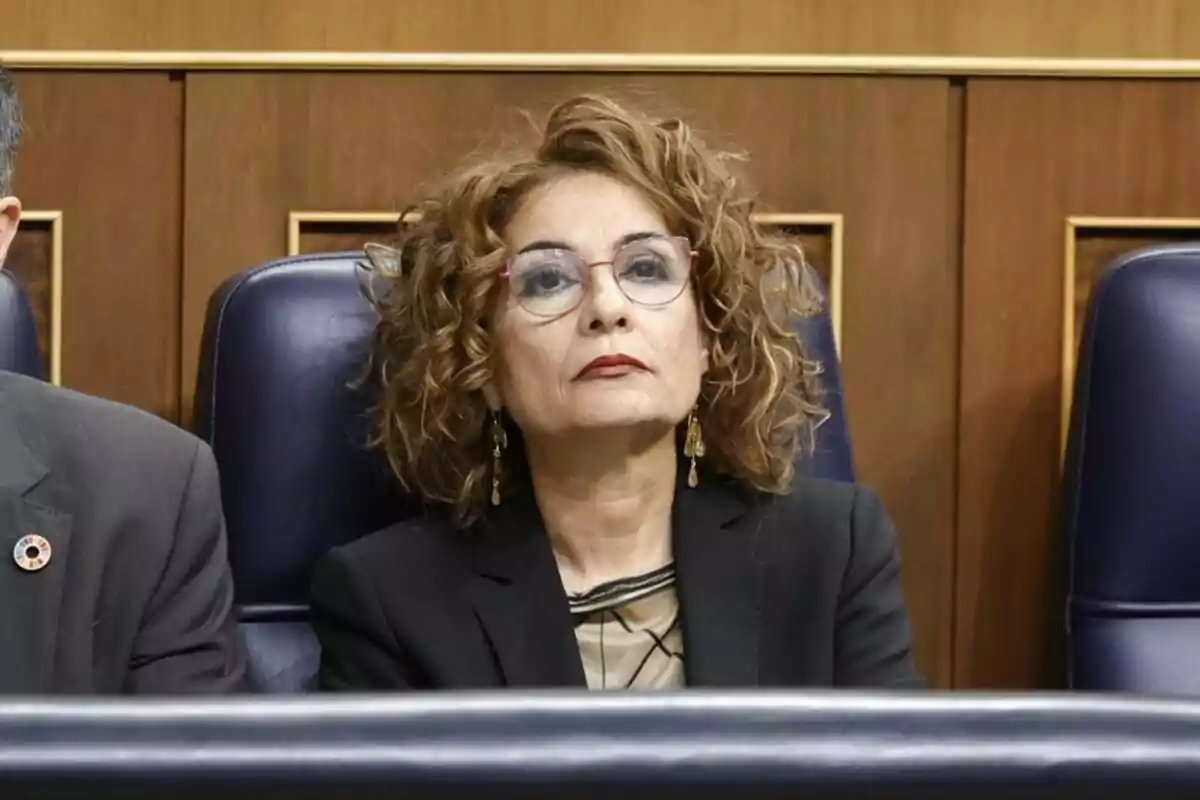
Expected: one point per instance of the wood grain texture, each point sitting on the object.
(873, 150)
(329, 237)
(105, 148)
(1096, 28)
(1037, 153)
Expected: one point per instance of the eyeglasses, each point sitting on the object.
(553, 281)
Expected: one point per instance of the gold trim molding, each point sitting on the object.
(55, 221)
(200, 60)
(298, 219)
(835, 222)
(1074, 225)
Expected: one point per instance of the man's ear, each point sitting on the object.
(10, 217)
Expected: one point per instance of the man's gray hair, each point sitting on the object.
(10, 130)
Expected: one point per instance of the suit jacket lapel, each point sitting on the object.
(719, 583)
(519, 598)
(29, 601)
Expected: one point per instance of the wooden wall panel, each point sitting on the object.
(876, 150)
(332, 236)
(105, 149)
(1097, 28)
(1039, 152)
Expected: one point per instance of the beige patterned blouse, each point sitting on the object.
(629, 634)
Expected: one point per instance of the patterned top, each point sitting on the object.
(629, 634)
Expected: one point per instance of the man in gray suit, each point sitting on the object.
(113, 569)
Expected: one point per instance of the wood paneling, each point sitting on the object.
(875, 150)
(105, 148)
(319, 236)
(1096, 28)
(31, 260)
(1039, 152)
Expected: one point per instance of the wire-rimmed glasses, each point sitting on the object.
(651, 270)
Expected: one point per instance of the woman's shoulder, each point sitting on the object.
(416, 545)
(820, 500)
(825, 513)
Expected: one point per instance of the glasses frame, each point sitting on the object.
(682, 241)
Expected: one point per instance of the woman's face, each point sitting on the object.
(575, 352)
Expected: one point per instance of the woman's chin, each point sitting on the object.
(614, 418)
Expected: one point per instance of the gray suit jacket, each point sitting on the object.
(136, 595)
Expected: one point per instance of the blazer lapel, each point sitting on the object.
(519, 599)
(29, 601)
(719, 583)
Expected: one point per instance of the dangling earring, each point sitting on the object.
(499, 443)
(693, 447)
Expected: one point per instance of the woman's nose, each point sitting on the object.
(607, 306)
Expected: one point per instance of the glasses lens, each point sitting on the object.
(652, 271)
(547, 282)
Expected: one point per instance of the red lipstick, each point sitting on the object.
(611, 367)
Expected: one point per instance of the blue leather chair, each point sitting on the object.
(1132, 480)
(18, 337)
(282, 345)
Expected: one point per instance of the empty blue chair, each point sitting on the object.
(1132, 480)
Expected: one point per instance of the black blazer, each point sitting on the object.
(136, 596)
(800, 590)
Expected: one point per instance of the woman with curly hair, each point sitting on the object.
(590, 375)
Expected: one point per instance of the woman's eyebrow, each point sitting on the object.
(544, 244)
(556, 244)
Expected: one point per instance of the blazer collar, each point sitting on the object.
(519, 598)
(719, 583)
(20, 469)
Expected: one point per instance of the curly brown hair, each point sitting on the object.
(759, 400)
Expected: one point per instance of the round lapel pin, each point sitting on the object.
(32, 552)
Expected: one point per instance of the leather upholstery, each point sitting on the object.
(1132, 479)
(640, 744)
(18, 337)
(282, 346)
(282, 343)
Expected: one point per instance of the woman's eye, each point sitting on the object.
(647, 267)
(545, 280)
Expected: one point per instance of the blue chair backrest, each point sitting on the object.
(282, 345)
(1132, 480)
(18, 336)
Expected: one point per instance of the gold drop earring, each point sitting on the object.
(693, 447)
(499, 443)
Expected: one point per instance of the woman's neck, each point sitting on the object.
(607, 508)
